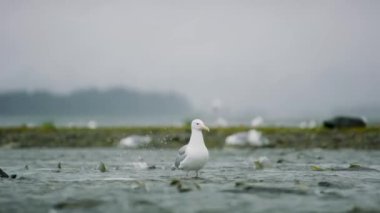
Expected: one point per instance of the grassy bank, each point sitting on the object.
(174, 137)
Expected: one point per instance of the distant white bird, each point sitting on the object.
(256, 138)
(308, 124)
(92, 124)
(194, 155)
(135, 141)
(252, 137)
(258, 121)
(237, 139)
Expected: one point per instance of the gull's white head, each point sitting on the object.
(198, 124)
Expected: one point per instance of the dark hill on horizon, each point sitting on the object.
(113, 102)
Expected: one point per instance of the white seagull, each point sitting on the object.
(194, 155)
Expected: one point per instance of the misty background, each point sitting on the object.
(283, 60)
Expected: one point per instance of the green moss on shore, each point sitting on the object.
(174, 137)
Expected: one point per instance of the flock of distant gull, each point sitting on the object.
(252, 137)
(194, 155)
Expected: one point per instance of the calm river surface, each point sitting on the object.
(228, 183)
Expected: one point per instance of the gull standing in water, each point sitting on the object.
(194, 155)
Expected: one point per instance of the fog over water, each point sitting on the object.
(277, 58)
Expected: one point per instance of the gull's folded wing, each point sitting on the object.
(181, 156)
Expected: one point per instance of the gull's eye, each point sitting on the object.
(197, 123)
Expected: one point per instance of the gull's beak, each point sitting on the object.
(205, 128)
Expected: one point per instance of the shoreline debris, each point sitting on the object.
(102, 167)
(344, 122)
(5, 175)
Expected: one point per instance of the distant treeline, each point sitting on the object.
(93, 102)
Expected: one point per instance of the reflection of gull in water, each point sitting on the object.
(141, 164)
(262, 162)
(194, 155)
(252, 137)
(135, 141)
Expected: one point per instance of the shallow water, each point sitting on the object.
(229, 182)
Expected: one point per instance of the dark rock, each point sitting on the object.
(147, 206)
(183, 189)
(75, 204)
(152, 167)
(355, 167)
(324, 184)
(3, 174)
(13, 176)
(184, 186)
(356, 209)
(331, 194)
(23, 178)
(102, 167)
(142, 202)
(344, 122)
(266, 189)
(175, 182)
(238, 184)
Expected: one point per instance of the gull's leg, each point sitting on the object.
(196, 173)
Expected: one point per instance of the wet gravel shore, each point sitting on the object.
(71, 180)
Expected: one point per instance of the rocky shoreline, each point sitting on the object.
(174, 137)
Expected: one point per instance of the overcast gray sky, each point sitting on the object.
(280, 56)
